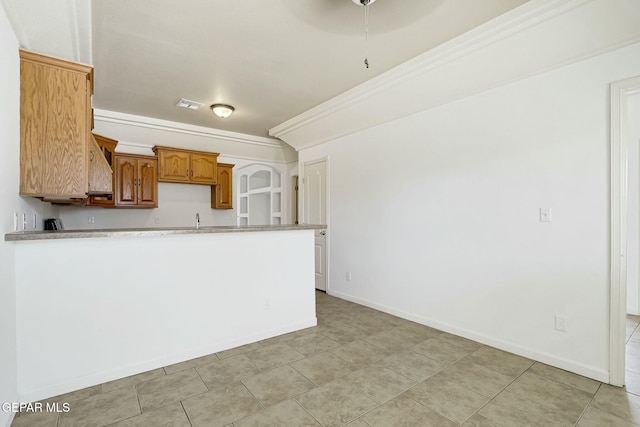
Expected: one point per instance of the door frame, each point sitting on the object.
(295, 199)
(301, 195)
(620, 92)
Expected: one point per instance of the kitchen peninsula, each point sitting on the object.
(97, 305)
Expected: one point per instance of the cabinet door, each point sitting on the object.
(53, 128)
(203, 168)
(222, 193)
(147, 183)
(126, 181)
(174, 166)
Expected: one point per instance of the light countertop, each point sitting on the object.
(144, 232)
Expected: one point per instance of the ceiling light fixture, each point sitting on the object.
(222, 110)
(366, 4)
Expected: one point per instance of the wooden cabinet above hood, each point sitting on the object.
(59, 158)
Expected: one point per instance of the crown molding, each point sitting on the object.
(429, 80)
(71, 18)
(144, 149)
(183, 128)
(436, 57)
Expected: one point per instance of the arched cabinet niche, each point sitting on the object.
(259, 195)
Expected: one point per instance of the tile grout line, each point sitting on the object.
(307, 378)
(379, 404)
(361, 416)
(252, 395)
(305, 409)
(477, 412)
(588, 405)
(560, 382)
(203, 382)
(555, 381)
(135, 389)
(186, 413)
(445, 367)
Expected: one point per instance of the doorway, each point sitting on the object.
(314, 211)
(633, 205)
(620, 93)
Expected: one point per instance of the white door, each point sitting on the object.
(315, 212)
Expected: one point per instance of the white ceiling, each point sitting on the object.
(272, 60)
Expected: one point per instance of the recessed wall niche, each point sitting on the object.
(259, 195)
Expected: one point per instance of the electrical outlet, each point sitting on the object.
(561, 323)
(91, 219)
(35, 221)
(24, 221)
(348, 276)
(15, 221)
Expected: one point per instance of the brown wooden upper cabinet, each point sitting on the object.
(136, 181)
(186, 166)
(58, 155)
(222, 192)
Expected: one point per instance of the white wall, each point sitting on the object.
(9, 161)
(10, 202)
(436, 215)
(178, 203)
(633, 213)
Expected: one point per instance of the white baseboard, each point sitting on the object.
(549, 359)
(148, 365)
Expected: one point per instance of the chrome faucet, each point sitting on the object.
(197, 221)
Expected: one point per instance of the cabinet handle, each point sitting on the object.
(135, 182)
(187, 173)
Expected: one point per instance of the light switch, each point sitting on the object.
(545, 214)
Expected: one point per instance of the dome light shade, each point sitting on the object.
(222, 110)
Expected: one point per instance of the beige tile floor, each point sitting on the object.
(361, 368)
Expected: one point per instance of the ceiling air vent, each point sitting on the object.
(185, 103)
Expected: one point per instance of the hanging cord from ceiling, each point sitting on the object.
(366, 4)
(366, 32)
